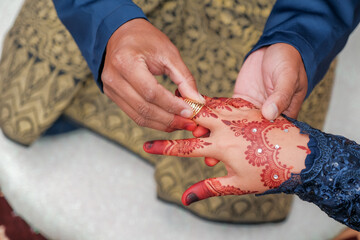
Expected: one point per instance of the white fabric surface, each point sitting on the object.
(80, 186)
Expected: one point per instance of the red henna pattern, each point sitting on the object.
(236, 126)
(258, 155)
(307, 150)
(205, 112)
(222, 103)
(218, 189)
(273, 176)
(251, 132)
(240, 103)
(210, 188)
(218, 103)
(185, 146)
(175, 147)
(261, 152)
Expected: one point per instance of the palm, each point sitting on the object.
(271, 77)
(250, 84)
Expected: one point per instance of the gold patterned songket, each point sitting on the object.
(196, 107)
(41, 67)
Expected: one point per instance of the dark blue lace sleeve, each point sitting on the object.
(331, 179)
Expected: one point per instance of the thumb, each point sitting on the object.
(211, 187)
(279, 100)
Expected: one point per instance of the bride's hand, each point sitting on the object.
(258, 154)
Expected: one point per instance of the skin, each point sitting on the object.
(137, 51)
(258, 154)
(273, 78)
(134, 54)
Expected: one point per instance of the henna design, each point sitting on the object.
(205, 112)
(240, 103)
(258, 155)
(218, 103)
(175, 147)
(273, 176)
(210, 188)
(307, 150)
(260, 152)
(222, 103)
(219, 190)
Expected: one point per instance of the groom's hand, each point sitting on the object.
(274, 79)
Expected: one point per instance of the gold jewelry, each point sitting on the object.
(196, 107)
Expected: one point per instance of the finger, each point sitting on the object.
(194, 147)
(145, 112)
(299, 96)
(177, 93)
(200, 131)
(206, 116)
(145, 84)
(209, 113)
(139, 120)
(295, 105)
(210, 188)
(211, 161)
(178, 72)
(280, 99)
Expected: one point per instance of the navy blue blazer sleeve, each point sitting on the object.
(91, 24)
(318, 29)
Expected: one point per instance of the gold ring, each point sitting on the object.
(196, 107)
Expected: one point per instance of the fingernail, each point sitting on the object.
(274, 111)
(148, 145)
(202, 99)
(190, 198)
(186, 113)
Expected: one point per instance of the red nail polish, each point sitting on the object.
(148, 145)
(189, 199)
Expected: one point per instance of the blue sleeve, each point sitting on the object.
(91, 24)
(317, 29)
(331, 178)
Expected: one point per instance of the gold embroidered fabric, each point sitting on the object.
(43, 75)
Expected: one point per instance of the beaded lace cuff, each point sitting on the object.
(331, 179)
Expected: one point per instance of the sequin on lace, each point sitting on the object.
(331, 179)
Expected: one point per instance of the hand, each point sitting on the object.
(273, 78)
(258, 154)
(135, 52)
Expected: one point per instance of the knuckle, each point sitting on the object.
(170, 123)
(150, 95)
(119, 60)
(141, 122)
(171, 48)
(189, 77)
(126, 61)
(144, 110)
(105, 76)
(172, 107)
(122, 58)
